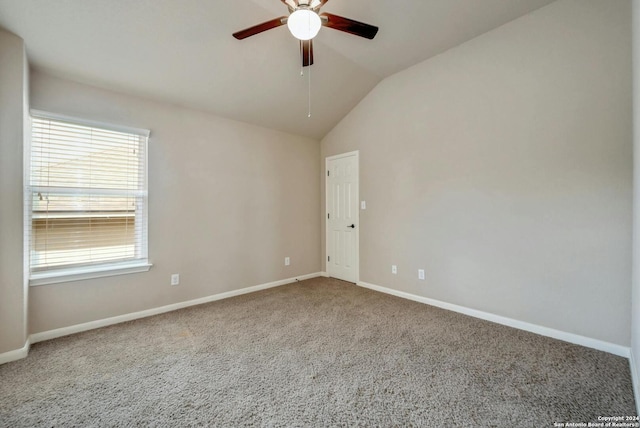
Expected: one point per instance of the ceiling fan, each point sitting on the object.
(304, 22)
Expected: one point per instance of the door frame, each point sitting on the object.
(327, 159)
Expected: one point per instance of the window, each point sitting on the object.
(87, 199)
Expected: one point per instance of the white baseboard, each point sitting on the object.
(635, 380)
(533, 328)
(17, 354)
(65, 331)
(600, 345)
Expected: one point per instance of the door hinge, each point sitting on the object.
(328, 258)
(328, 215)
(327, 173)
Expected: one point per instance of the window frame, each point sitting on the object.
(107, 268)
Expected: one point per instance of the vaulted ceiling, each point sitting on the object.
(182, 51)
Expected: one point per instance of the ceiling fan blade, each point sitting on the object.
(252, 31)
(349, 26)
(291, 4)
(306, 51)
(317, 4)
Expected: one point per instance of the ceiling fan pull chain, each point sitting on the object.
(302, 59)
(309, 76)
(309, 67)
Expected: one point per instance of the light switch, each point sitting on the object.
(363, 205)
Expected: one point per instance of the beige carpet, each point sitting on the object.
(317, 353)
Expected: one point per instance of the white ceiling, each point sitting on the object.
(182, 51)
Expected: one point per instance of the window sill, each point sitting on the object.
(78, 274)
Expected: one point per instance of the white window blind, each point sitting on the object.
(87, 195)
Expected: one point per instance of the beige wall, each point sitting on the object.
(13, 290)
(503, 168)
(227, 202)
(635, 309)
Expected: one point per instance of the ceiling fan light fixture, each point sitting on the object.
(304, 24)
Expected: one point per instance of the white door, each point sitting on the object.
(342, 216)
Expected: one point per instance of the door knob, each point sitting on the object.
(353, 226)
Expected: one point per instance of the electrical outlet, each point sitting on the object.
(287, 261)
(420, 273)
(394, 269)
(175, 279)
